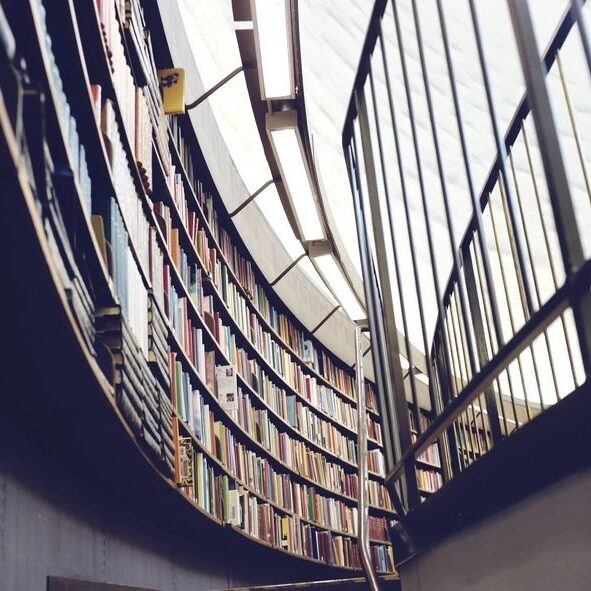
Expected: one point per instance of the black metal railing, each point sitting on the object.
(509, 334)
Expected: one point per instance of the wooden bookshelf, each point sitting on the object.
(80, 47)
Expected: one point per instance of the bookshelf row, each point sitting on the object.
(188, 257)
(208, 276)
(293, 530)
(212, 246)
(428, 465)
(246, 292)
(179, 303)
(305, 464)
(274, 455)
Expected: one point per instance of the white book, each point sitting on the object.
(227, 389)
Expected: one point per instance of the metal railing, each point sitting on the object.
(362, 473)
(512, 328)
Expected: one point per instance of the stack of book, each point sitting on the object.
(130, 15)
(157, 342)
(79, 298)
(156, 268)
(132, 208)
(143, 139)
(383, 558)
(429, 480)
(374, 430)
(138, 394)
(329, 547)
(378, 495)
(375, 462)
(69, 128)
(157, 427)
(371, 400)
(113, 332)
(378, 528)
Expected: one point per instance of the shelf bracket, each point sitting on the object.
(287, 270)
(217, 86)
(251, 198)
(326, 318)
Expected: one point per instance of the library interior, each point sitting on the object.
(295, 295)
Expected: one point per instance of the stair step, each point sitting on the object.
(387, 583)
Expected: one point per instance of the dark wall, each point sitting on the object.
(54, 523)
(541, 543)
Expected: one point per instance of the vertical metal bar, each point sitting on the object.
(389, 209)
(463, 381)
(485, 429)
(573, 123)
(454, 368)
(391, 445)
(548, 250)
(404, 194)
(436, 402)
(479, 274)
(507, 299)
(473, 425)
(477, 212)
(522, 278)
(443, 375)
(362, 500)
(452, 372)
(478, 327)
(525, 307)
(536, 285)
(468, 370)
(399, 407)
(444, 193)
(558, 187)
(409, 101)
(446, 442)
(457, 375)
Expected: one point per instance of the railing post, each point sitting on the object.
(450, 463)
(384, 387)
(481, 349)
(398, 406)
(362, 501)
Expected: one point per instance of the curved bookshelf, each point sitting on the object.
(222, 304)
(287, 527)
(238, 328)
(252, 306)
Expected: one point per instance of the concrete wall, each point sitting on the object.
(542, 543)
(54, 522)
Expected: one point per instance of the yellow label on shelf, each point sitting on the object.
(172, 83)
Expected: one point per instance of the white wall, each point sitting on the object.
(540, 544)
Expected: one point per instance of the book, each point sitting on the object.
(227, 388)
(186, 478)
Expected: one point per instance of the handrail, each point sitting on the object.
(496, 310)
(362, 502)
